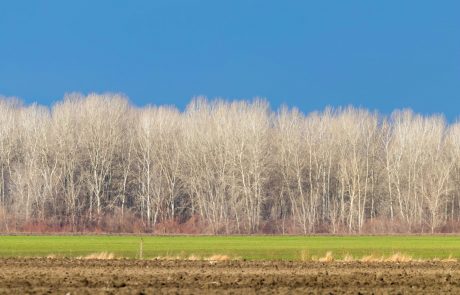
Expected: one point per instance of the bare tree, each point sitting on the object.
(101, 119)
(9, 145)
(158, 160)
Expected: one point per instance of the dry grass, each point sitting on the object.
(447, 260)
(396, 257)
(99, 256)
(168, 257)
(305, 255)
(327, 258)
(218, 257)
(193, 257)
(371, 258)
(348, 258)
(399, 257)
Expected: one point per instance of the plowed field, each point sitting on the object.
(127, 276)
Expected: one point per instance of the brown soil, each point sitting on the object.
(71, 276)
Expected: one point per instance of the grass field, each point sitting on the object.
(244, 247)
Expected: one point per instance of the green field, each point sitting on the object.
(245, 247)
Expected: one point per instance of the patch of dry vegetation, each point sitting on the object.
(450, 258)
(347, 258)
(305, 255)
(397, 257)
(218, 257)
(99, 256)
(328, 257)
(193, 257)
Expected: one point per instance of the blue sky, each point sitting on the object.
(376, 54)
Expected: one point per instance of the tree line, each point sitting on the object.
(96, 162)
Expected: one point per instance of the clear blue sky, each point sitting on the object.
(375, 54)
